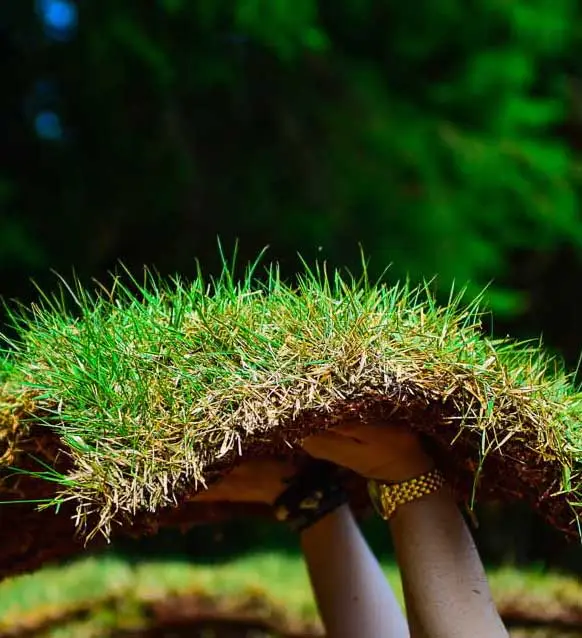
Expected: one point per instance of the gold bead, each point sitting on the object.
(388, 496)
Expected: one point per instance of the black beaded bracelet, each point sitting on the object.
(311, 495)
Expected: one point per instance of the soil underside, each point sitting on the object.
(29, 538)
(206, 616)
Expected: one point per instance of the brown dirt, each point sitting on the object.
(191, 615)
(29, 538)
(198, 613)
(199, 616)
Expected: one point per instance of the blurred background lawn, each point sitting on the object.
(445, 138)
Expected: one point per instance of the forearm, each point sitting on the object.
(352, 593)
(444, 581)
(414, 626)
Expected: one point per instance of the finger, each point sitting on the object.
(267, 466)
(352, 430)
(323, 437)
(354, 433)
(370, 431)
(347, 427)
(327, 445)
(333, 437)
(260, 470)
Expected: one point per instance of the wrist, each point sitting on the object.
(428, 502)
(408, 469)
(387, 498)
(322, 526)
(311, 495)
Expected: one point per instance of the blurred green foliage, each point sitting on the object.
(427, 132)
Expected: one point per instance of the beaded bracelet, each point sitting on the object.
(387, 497)
(311, 495)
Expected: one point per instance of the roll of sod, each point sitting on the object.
(117, 404)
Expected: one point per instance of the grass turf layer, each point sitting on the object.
(126, 400)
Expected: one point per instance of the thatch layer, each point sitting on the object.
(150, 393)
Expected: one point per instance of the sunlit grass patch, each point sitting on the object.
(55, 589)
(112, 592)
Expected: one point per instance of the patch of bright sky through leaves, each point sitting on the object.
(59, 19)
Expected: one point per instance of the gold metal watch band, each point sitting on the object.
(387, 497)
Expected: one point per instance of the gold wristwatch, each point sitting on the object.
(387, 497)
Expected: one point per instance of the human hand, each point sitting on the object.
(257, 481)
(375, 450)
